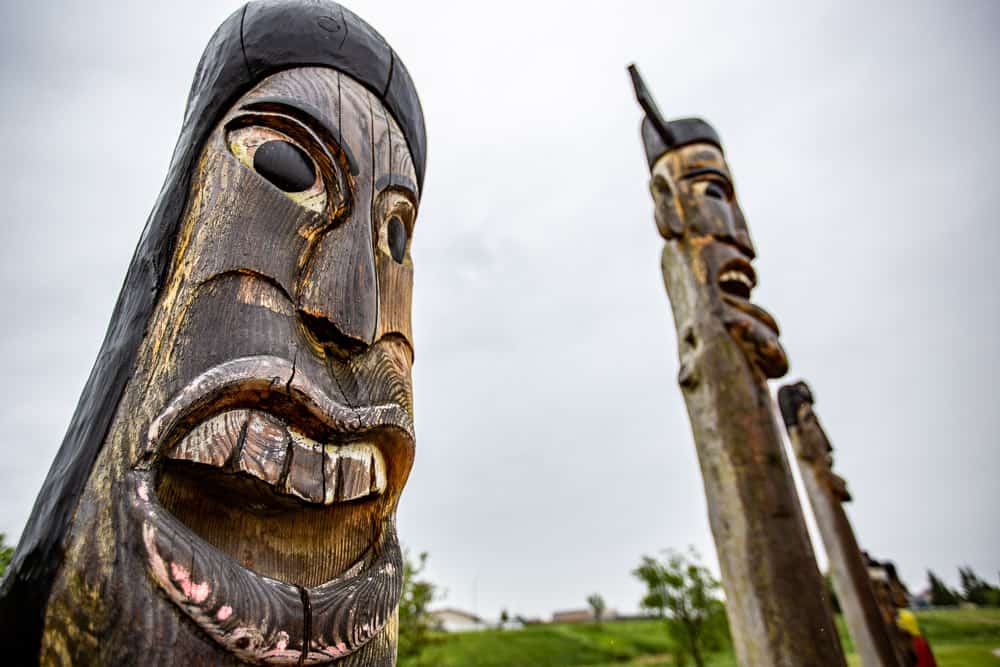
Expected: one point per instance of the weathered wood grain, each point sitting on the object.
(213, 442)
(395, 278)
(338, 289)
(354, 473)
(265, 448)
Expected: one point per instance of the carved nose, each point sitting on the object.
(338, 291)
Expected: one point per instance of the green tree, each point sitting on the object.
(941, 595)
(974, 589)
(596, 603)
(683, 591)
(6, 553)
(415, 622)
(993, 597)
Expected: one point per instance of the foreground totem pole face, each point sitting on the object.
(268, 477)
(242, 504)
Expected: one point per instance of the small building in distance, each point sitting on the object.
(456, 620)
(582, 615)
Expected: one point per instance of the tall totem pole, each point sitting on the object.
(775, 599)
(226, 492)
(827, 492)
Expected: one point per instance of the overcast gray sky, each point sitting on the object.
(553, 444)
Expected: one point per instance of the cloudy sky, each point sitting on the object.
(554, 448)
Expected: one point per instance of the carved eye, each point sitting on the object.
(716, 191)
(395, 213)
(285, 164)
(397, 239)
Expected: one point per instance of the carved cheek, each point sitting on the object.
(247, 226)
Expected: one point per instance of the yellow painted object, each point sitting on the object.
(906, 620)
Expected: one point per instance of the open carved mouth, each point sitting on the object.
(266, 512)
(736, 280)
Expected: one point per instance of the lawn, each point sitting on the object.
(959, 637)
(547, 646)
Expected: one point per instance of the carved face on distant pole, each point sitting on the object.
(696, 205)
(255, 464)
(808, 438)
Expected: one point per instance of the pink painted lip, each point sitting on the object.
(262, 620)
(259, 619)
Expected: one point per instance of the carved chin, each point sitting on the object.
(257, 618)
(234, 502)
(752, 326)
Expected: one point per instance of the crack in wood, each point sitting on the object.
(237, 453)
(306, 624)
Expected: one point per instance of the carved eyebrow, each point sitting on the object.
(702, 171)
(399, 181)
(310, 116)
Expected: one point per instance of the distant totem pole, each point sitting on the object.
(892, 597)
(775, 598)
(226, 492)
(827, 491)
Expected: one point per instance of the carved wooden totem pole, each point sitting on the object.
(892, 597)
(827, 491)
(728, 348)
(226, 493)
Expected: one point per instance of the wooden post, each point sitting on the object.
(227, 491)
(728, 347)
(827, 491)
(891, 596)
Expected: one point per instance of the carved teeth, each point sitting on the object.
(305, 477)
(358, 469)
(265, 444)
(214, 441)
(258, 444)
(736, 276)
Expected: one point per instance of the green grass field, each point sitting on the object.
(959, 637)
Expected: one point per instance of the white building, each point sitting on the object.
(456, 620)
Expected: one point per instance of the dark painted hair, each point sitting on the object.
(256, 41)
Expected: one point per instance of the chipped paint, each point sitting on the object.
(197, 592)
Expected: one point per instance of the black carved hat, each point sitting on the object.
(256, 41)
(273, 35)
(681, 132)
(790, 398)
(659, 135)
